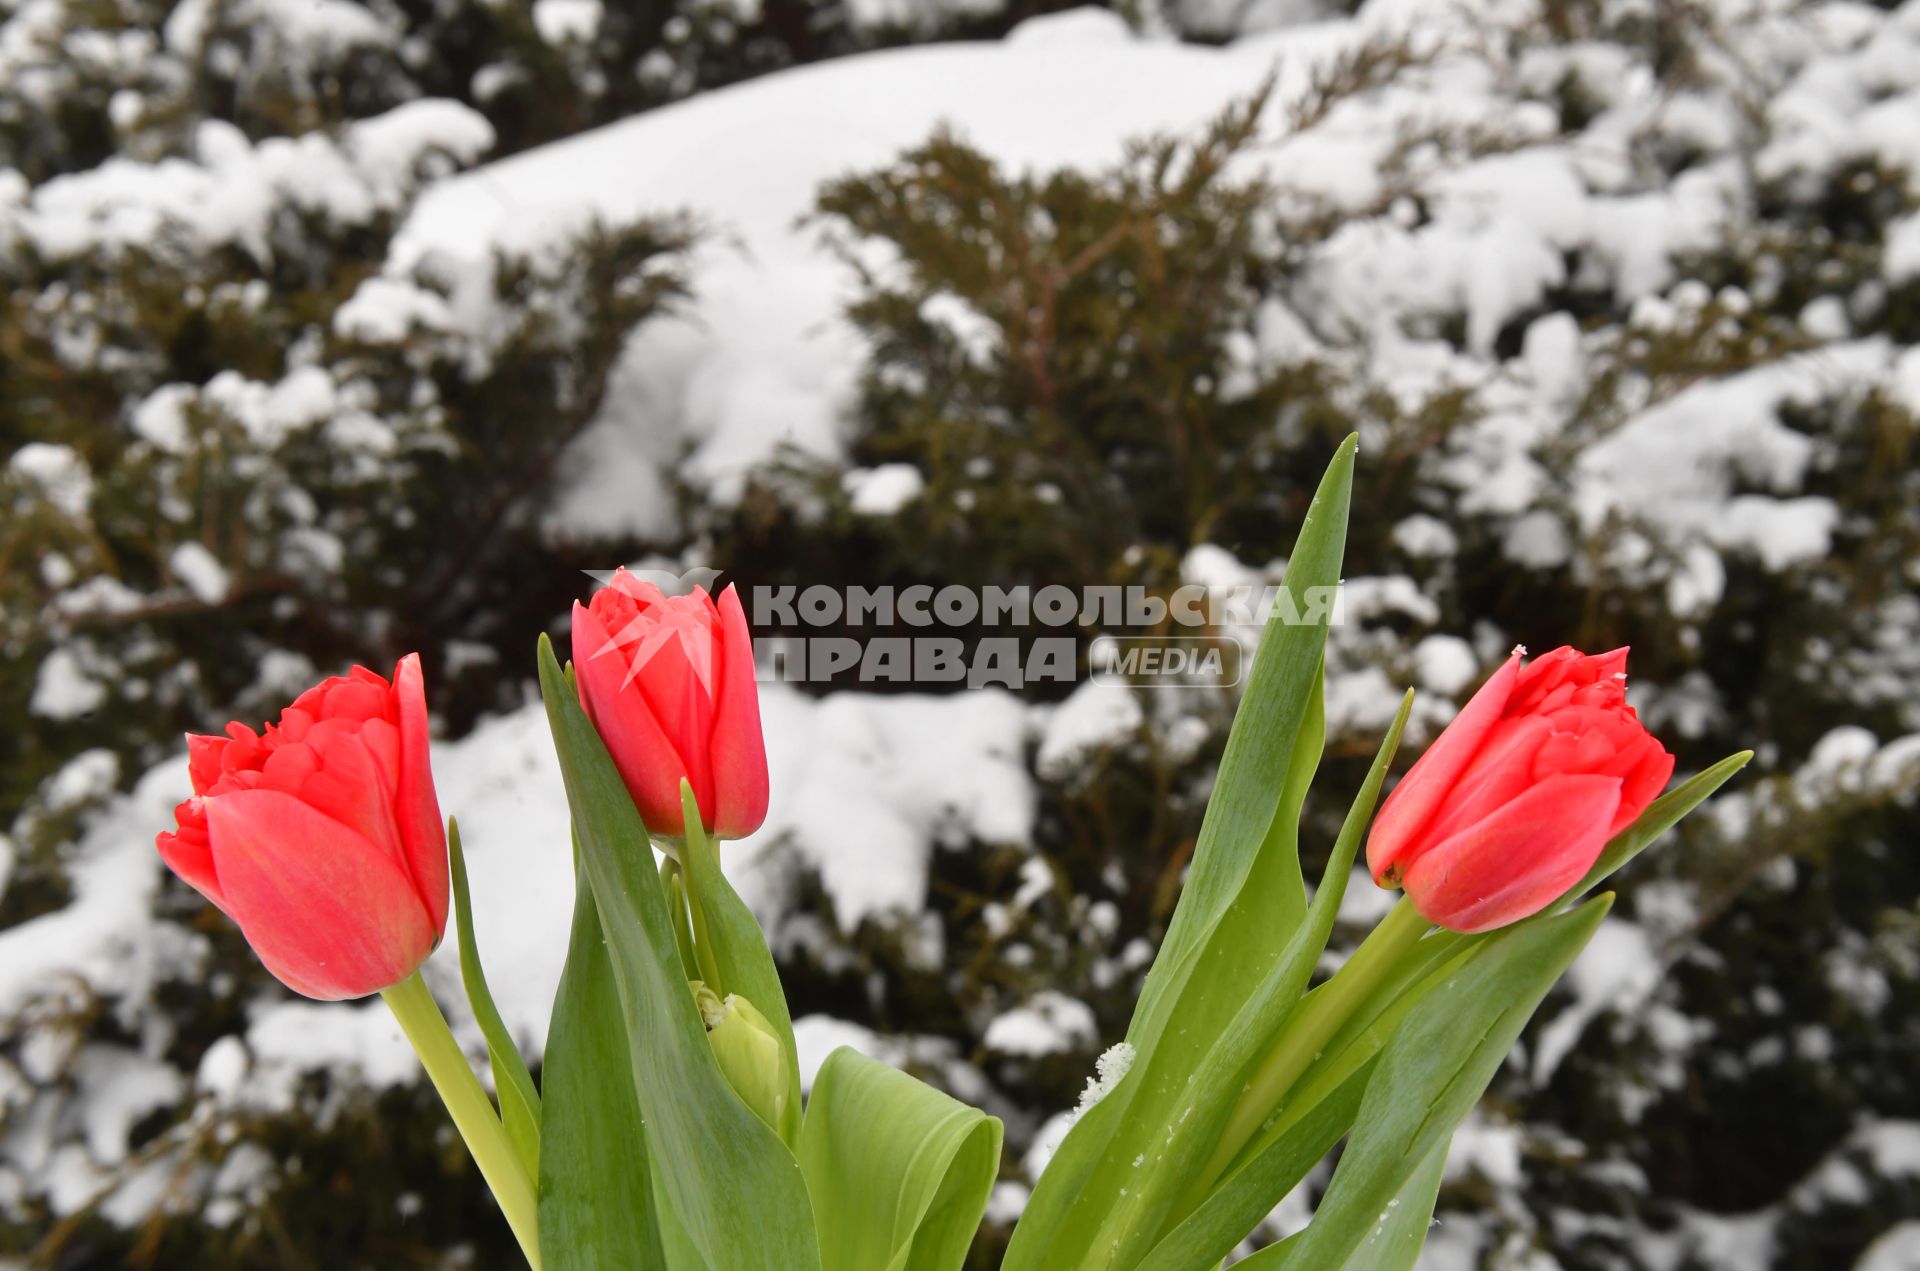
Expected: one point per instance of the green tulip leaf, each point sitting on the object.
(1660, 816)
(1250, 1192)
(1402, 1233)
(519, 1101)
(898, 1171)
(1177, 1128)
(596, 1193)
(1432, 1073)
(1242, 905)
(738, 947)
(726, 1175)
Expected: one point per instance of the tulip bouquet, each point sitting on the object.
(669, 1130)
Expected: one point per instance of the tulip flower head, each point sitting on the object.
(321, 836)
(1516, 799)
(669, 683)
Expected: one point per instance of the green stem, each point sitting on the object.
(1308, 1031)
(702, 946)
(674, 881)
(472, 1112)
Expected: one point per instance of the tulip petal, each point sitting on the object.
(348, 785)
(203, 761)
(359, 699)
(1503, 770)
(739, 748)
(1555, 676)
(1419, 794)
(648, 594)
(327, 912)
(647, 760)
(1518, 859)
(697, 709)
(1643, 783)
(423, 831)
(664, 672)
(188, 853)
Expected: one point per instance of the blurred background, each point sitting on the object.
(336, 330)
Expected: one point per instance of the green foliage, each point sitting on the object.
(519, 1100)
(596, 1179)
(727, 1176)
(352, 497)
(898, 1172)
(886, 1174)
(1051, 344)
(978, 331)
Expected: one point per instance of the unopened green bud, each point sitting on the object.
(748, 1051)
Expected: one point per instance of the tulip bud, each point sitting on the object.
(1515, 800)
(669, 683)
(321, 835)
(748, 1051)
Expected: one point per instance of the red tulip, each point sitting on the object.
(322, 837)
(1513, 803)
(669, 682)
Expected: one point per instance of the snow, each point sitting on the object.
(762, 356)
(1552, 355)
(1096, 716)
(1902, 259)
(1616, 970)
(327, 26)
(1007, 1201)
(387, 310)
(1048, 1023)
(1073, 29)
(1897, 1250)
(1362, 701)
(910, 14)
(196, 567)
(1109, 1070)
(105, 938)
(1539, 540)
(1905, 386)
(1781, 532)
(817, 1036)
(89, 775)
(856, 800)
(61, 474)
(884, 490)
(228, 193)
(1481, 1147)
(1051, 1134)
(386, 149)
(1891, 1147)
(976, 334)
(563, 21)
(118, 1088)
(1676, 467)
(63, 689)
(1421, 535)
(161, 418)
(1212, 566)
(1445, 664)
(290, 1039)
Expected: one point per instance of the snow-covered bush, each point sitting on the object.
(1632, 360)
(1622, 299)
(225, 461)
